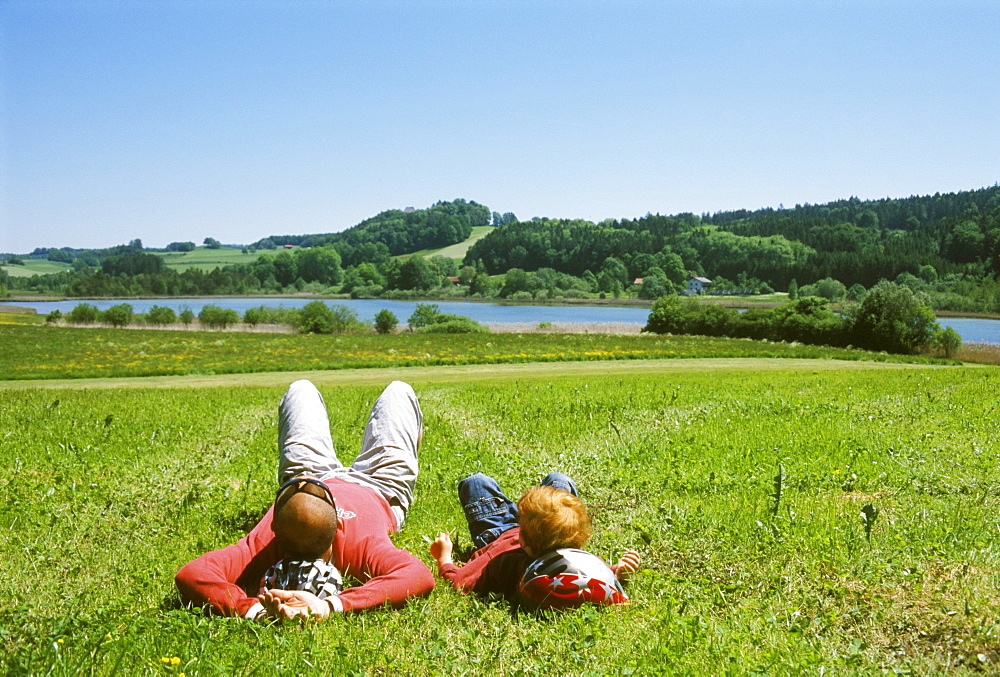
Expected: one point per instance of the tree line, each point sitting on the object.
(315, 317)
(946, 246)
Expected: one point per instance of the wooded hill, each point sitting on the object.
(395, 232)
(946, 244)
(852, 241)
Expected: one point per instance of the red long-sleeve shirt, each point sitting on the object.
(228, 579)
(495, 568)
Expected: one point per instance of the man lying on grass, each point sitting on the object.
(326, 519)
(530, 552)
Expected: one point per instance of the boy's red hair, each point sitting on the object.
(550, 519)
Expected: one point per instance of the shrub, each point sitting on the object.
(215, 317)
(673, 315)
(424, 315)
(461, 325)
(252, 317)
(807, 320)
(856, 292)
(316, 318)
(385, 321)
(830, 288)
(84, 313)
(53, 317)
(428, 319)
(894, 318)
(118, 315)
(948, 341)
(366, 292)
(319, 318)
(345, 320)
(290, 317)
(186, 316)
(160, 315)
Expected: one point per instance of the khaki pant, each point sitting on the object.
(388, 460)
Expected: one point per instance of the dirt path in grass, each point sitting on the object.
(464, 373)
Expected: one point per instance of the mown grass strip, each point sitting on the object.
(466, 373)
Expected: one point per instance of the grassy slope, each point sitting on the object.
(207, 259)
(457, 251)
(36, 267)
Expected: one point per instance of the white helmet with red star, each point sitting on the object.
(568, 578)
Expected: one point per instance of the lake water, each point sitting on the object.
(972, 330)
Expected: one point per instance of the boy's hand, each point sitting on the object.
(441, 549)
(627, 565)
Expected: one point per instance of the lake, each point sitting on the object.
(972, 330)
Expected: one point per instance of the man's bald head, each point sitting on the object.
(305, 525)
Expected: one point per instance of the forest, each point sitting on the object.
(946, 246)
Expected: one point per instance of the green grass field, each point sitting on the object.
(110, 485)
(38, 352)
(457, 251)
(36, 267)
(207, 259)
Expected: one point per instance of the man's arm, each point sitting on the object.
(389, 575)
(220, 578)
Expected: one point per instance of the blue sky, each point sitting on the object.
(171, 120)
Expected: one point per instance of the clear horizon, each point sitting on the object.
(177, 121)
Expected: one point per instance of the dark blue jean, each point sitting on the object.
(489, 512)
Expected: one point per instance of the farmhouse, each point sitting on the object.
(697, 285)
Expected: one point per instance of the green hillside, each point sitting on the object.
(203, 258)
(36, 267)
(457, 251)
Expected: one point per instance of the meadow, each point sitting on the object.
(36, 267)
(31, 351)
(831, 517)
(206, 259)
(457, 251)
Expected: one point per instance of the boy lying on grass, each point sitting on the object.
(531, 552)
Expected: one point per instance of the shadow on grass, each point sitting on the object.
(243, 521)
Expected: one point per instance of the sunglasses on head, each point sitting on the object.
(305, 485)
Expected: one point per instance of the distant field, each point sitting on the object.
(41, 352)
(36, 267)
(206, 259)
(457, 251)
